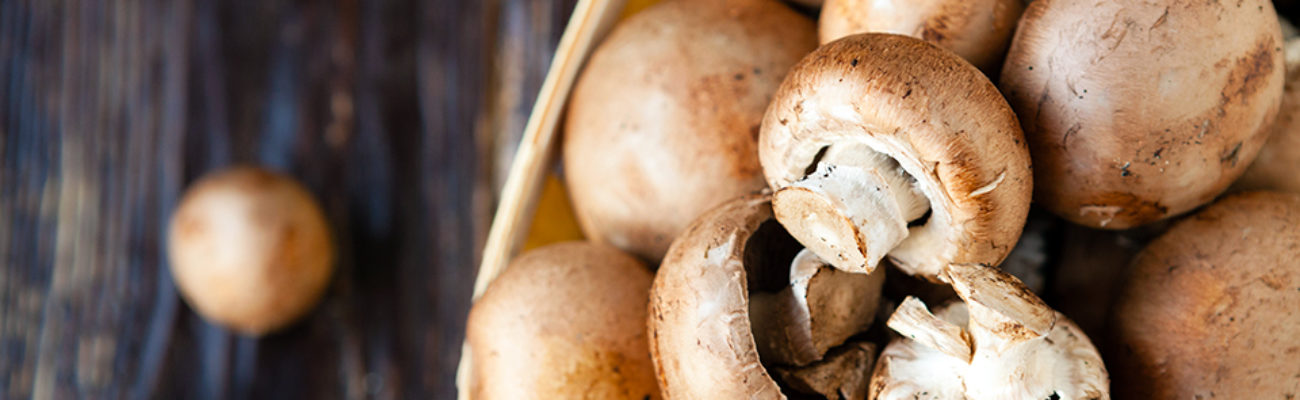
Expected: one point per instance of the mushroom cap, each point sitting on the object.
(250, 249)
(943, 122)
(1210, 308)
(564, 321)
(702, 342)
(1137, 111)
(977, 30)
(664, 118)
(1275, 166)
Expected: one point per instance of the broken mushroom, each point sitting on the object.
(703, 328)
(820, 309)
(879, 144)
(564, 321)
(977, 30)
(1000, 342)
(663, 119)
(1210, 306)
(250, 249)
(1138, 111)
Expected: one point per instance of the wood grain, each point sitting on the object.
(381, 108)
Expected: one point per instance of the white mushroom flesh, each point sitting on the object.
(1019, 347)
(853, 209)
(821, 308)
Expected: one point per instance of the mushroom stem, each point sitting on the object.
(1002, 311)
(914, 321)
(820, 309)
(853, 209)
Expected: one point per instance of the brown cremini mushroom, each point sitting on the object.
(663, 121)
(250, 249)
(564, 321)
(1210, 309)
(879, 144)
(977, 30)
(1000, 342)
(1138, 111)
(703, 340)
(1278, 163)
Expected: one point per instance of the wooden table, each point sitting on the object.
(397, 114)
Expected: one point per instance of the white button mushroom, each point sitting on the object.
(977, 30)
(1138, 111)
(1000, 342)
(250, 249)
(869, 133)
(564, 321)
(1210, 309)
(663, 121)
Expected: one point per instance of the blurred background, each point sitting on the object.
(400, 116)
(396, 114)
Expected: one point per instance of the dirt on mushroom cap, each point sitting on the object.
(1137, 111)
(1210, 308)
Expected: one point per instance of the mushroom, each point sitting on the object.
(1001, 342)
(1275, 166)
(703, 333)
(842, 375)
(1210, 306)
(1138, 111)
(977, 30)
(563, 321)
(819, 309)
(879, 144)
(663, 121)
(250, 249)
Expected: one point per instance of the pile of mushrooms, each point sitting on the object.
(898, 178)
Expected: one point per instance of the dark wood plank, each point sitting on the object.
(392, 112)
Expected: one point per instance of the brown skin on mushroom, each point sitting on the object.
(1000, 342)
(702, 335)
(1210, 307)
(842, 375)
(1138, 111)
(870, 133)
(565, 321)
(977, 30)
(663, 121)
(1275, 167)
(820, 309)
(250, 250)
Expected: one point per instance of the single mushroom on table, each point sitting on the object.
(663, 121)
(1138, 111)
(564, 321)
(880, 144)
(1000, 342)
(977, 30)
(250, 249)
(736, 302)
(1210, 309)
